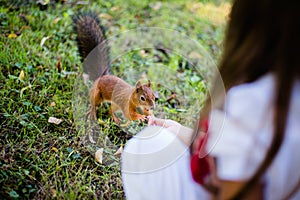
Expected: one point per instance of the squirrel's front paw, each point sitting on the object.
(136, 116)
(142, 118)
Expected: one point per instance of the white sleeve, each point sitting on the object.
(235, 134)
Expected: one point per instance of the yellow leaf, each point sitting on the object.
(22, 75)
(54, 149)
(101, 122)
(12, 35)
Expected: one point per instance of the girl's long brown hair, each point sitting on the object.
(263, 36)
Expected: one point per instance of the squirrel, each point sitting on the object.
(108, 88)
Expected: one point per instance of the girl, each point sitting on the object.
(254, 132)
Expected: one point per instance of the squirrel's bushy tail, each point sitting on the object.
(92, 45)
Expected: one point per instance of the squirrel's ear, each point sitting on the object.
(138, 84)
(149, 83)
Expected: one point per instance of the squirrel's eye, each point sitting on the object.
(143, 98)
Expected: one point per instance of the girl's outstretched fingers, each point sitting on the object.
(155, 121)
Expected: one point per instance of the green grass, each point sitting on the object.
(41, 160)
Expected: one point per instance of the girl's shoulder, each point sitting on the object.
(249, 103)
(258, 96)
(240, 134)
(261, 90)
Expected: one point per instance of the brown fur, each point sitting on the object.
(94, 52)
(122, 96)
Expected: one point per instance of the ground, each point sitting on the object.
(40, 66)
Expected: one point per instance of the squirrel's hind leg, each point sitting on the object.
(95, 100)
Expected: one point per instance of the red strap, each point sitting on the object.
(199, 160)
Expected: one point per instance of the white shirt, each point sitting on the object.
(241, 135)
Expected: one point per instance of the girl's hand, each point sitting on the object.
(171, 125)
(185, 134)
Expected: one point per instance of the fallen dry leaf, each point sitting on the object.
(156, 6)
(44, 40)
(195, 55)
(90, 134)
(119, 152)
(58, 65)
(143, 53)
(105, 16)
(82, 3)
(56, 20)
(114, 8)
(53, 191)
(99, 155)
(25, 28)
(54, 120)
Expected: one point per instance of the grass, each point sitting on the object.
(40, 65)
